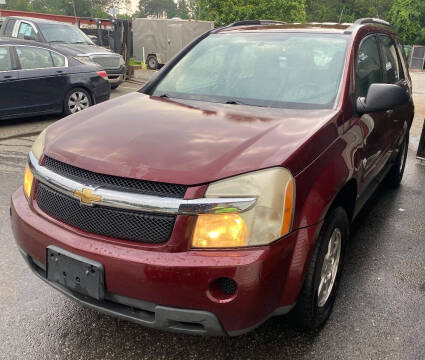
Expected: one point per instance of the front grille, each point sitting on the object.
(115, 182)
(121, 224)
(108, 62)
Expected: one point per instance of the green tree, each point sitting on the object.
(225, 12)
(182, 9)
(408, 17)
(157, 8)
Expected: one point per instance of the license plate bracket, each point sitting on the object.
(75, 272)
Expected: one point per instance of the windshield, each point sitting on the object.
(274, 70)
(62, 33)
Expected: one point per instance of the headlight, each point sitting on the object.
(270, 218)
(84, 60)
(38, 146)
(37, 149)
(122, 61)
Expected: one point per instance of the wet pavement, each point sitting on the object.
(379, 313)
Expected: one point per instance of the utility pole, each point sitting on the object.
(75, 12)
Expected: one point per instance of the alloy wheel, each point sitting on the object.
(329, 268)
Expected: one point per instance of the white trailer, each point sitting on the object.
(155, 41)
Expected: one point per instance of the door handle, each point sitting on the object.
(59, 71)
(7, 77)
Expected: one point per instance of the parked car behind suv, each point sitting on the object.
(222, 192)
(69, 40)
(36, 79)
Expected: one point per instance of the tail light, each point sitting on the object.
(102, 74)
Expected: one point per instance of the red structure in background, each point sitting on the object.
(63, 18)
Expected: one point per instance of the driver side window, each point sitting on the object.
(368, 66)
(26, 29)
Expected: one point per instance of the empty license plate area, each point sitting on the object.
(75, 272)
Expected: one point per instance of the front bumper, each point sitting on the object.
(171, 290)
(116, 76)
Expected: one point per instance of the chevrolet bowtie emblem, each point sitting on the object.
(87, 197)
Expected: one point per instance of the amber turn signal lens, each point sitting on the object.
(288, 208)
(219, 231)
(28, 179)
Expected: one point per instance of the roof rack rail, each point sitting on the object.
(371, 21)
(256, 22)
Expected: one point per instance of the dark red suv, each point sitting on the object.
(222, 192)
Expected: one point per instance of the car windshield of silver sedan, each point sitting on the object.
(286, 70)
(61, 33)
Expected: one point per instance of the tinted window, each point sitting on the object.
(390, 60)
(9, 27)
(5, 60)
(34, 58)
(26, 30)
(274, 70)
(368, 69)
(58, 60)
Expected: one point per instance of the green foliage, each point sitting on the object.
(157, 8)
(225, 12)
(408, 17)
(83, 8)
(182, 9)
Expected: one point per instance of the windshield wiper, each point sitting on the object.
(79, 42)
(56, 41)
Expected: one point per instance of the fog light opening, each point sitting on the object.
(223, 290)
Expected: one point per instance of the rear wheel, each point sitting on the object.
(76, 100)
(396, 173)
(114, 86)
(152, 62)
(318, 294)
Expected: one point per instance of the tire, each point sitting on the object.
(152, 62)
(77, 99)
(396, 173)
(114, 86)
(314, 306)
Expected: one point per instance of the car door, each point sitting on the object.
(9, 78)
(394, 74)
(42, 84)
(377, 133)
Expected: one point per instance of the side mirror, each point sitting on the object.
(30, 37)
(94, 38)
(382, 97)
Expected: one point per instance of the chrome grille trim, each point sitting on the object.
(139, 202)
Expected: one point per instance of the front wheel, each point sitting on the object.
(396, 173)
(76, 100)
(318, 294)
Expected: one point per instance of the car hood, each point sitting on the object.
(188, 142)
(78, 49)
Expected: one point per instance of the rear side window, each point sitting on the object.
(34, 58)
(390, 60)
(9, 27)
(5, 59)
(368, 70)
(58, 59)
(26, 29)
